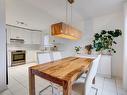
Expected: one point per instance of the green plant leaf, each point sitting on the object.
(105, 40)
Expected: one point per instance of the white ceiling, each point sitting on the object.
(39, 14)
(93, 8)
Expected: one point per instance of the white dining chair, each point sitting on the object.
(56, 56)
(43, 58)
(83, 88)
(83, 76)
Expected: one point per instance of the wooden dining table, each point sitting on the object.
(62, 72)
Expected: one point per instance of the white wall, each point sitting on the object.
(91, 26)
(111, 22)
(21, 10)
(125, 48)
(2, 47)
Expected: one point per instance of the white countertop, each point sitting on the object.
(93, 56)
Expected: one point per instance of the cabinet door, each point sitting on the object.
(16, 33)
(31, 56)
(27, 37)
(105, 66)
(8, 35)
(36, 37)
(9, 58)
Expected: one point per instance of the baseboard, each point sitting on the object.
(117, 77)
(104, 75)
(109, 76)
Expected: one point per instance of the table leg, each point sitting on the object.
(31, 83)
(67, 88)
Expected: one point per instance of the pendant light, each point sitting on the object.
(65, 30)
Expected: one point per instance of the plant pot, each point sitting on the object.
(88, 51)
(78, 52)
(105, 52)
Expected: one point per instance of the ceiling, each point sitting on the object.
(39, 14)
(84, 8)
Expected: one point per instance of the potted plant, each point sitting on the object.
(89, 48)
(105, 40)
(77, 49)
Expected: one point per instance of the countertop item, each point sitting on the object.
(62, 72)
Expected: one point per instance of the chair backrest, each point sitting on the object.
(57, 55)
(43, 58)
(91, 75)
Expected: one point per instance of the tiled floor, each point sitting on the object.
(18, 83)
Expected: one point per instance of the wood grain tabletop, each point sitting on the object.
(63, 72)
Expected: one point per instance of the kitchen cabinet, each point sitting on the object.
(31, 56)
(8, 36)
(16, 33)
(36, 37)
(9, 58)
(29, 37)
(104, 68)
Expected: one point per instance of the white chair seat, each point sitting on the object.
(78, 88)
(80, 80)
(84, 75)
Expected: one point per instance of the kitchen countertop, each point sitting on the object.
(86, 55)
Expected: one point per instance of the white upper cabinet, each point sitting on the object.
(29, 37)
(8, 35)
(16, 33)
(36, 37)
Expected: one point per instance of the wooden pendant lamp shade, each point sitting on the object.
(65, 31)
(71, 1)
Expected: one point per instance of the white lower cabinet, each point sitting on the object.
(104, 68)
(31, 56)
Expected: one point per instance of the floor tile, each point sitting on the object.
(106, 92)
(6, 92)
(18, 83)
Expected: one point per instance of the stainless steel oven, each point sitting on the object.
(18, 57)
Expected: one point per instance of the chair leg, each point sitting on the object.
(83, 77)
(57, 91)
(45, 89)
(95, 89)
